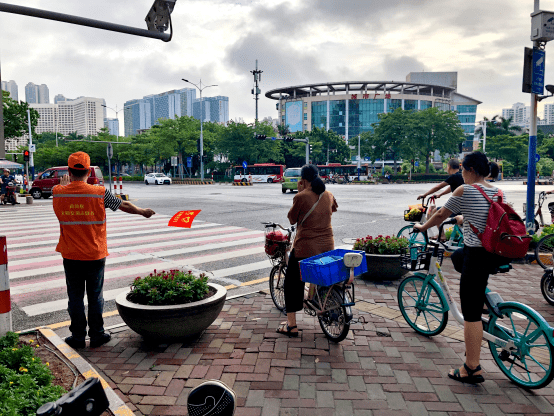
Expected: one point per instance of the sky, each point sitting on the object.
(296, 42)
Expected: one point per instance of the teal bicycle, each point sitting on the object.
(421, 239)
(519, 338)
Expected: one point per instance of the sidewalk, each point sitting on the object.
(382, 368)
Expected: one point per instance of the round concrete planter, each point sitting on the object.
(172, 321)
(384, 267)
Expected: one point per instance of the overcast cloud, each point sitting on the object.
(296, 42)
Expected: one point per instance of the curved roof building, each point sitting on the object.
(350, 107)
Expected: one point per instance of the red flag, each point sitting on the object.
(183, 219)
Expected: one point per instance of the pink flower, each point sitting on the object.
(380, 236)
(137, 278)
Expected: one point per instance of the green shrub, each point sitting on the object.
(168, 288)
(25, 382)
(381, 244)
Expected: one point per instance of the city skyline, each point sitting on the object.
(223, 40)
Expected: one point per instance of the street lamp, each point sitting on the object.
(484, 125)
(200, 88)
(117, 118)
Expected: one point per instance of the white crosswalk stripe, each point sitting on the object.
(229, 255)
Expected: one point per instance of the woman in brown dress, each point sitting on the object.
(311, 211)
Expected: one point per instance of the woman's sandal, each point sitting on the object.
(470, 377)
(288, 332)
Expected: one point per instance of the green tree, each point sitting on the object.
(497, 126)
(15, 117)
(513, 149)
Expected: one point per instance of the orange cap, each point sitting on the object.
(79, 161)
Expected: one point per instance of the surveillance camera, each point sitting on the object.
(158, 17)
(549, 88)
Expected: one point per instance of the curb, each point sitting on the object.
(540, 182)
(242, 183)
(117, 406)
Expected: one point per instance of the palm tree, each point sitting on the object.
(497, 126)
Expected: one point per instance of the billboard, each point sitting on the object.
(294, 116)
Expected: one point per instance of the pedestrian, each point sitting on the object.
(81, 211)
(473, 261)
(5, 179)
(311, 211)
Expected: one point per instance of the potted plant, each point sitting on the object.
(171, 304)
(382, 255)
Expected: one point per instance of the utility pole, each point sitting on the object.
(541, 33)
(256, 91)
(31, 158)
(2, 140)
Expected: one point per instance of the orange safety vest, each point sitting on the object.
(80, 210)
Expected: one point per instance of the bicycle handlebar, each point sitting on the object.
(425, 202)
(276, 225)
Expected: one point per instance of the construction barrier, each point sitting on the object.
(115, 182)
(192, 182)
(242, 183)
(5, 300)
(121, 185)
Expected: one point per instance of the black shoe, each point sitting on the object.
(74, 343)
(103, 339)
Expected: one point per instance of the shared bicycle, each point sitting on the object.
(519, 338)
(331, 293)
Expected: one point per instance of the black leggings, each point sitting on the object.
(293, 286)
(475, 264)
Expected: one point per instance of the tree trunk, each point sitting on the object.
(427, 162)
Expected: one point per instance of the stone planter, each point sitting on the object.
(384, 267)
(172, 321)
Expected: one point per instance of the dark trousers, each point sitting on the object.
(84, 276)
(475, 264)
(293, 286)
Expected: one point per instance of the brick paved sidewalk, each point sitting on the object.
(402, 373)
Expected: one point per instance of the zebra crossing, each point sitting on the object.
(230, 255)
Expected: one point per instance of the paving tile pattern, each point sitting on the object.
(398, 373)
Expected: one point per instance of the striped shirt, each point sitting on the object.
(475, 208)
(110, 201)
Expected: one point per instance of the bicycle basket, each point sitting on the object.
(275, 244)
(413, 215)
(418, 258)
(328, 268)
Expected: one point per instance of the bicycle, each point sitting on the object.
(520, 340)
(333, 292)
(541, 199)
(419, 238)
(547, 285)
(544, 251)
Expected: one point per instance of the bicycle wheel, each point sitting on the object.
(529, 364)
(333, 321)
(277, 278)
(415, 239)
(422, 306)
(547, 286)
(544, 251)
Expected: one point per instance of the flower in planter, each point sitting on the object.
(171, 287)
(381, 244)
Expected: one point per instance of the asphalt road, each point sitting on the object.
(226, 240)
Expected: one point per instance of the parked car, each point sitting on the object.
(291, 177)
(45, 181)
(157, 179)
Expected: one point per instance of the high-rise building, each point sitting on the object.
(215, 109)
(520, 114)
(142, 114)
(11, 87)
(60, 97)
(548, 113)
(113, 126)
(83, 115)
(32, 93)
(44, 94)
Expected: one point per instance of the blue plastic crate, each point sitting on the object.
(328, 268)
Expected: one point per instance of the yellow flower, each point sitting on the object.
(23, 369)
(11, 382)
(31, 341)
(48, 364)
(33, 358)
(14, 349)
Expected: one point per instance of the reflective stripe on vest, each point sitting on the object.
(78, 196)
(81, 222)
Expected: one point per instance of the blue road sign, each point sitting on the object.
(416, 163)
(189, 162)
(273, 138)
(537, 158)
(244, 164)
(538, 71)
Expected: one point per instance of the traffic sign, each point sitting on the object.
(174, 160)
(189, 162)
(32, 148)
(416, 163)
(245, 164)
(537, 158)
(538, 71)
(110, 151)
(273, 138)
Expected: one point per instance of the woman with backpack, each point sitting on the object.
(473, 260)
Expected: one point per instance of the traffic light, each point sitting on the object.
(288, 138)
(260, 136)
(198, 145)
(309, 148)
(25, 155)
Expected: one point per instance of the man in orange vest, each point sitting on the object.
(81, 211)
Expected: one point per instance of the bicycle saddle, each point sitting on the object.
(352, 260)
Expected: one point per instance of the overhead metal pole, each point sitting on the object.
(83, 21)
(256, 90)
(2, 139)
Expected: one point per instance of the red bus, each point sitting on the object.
(259, 172)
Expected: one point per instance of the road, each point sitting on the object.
(226, 240)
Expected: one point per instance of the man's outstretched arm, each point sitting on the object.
(128, 207)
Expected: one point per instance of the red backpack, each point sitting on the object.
(505, 232)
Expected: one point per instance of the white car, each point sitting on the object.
(157, 179)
